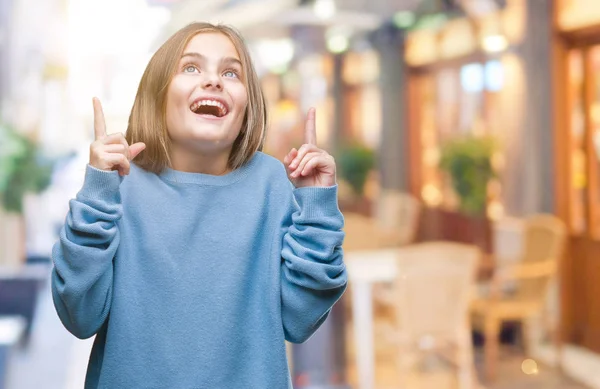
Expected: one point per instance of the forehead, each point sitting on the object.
(212, 45)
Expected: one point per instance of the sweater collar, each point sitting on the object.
(181, 177)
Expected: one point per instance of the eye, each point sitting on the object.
(231, 73)
(190, 69)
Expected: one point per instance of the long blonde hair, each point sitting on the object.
(147, 121)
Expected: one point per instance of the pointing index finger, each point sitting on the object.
(310, 129)
(99, 123)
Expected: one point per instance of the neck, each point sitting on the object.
(194, 162)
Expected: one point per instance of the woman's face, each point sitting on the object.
(206, 99)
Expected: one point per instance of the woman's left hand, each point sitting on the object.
(310, 166)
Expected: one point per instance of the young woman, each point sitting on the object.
(188, 253)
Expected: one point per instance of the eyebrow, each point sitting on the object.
(227, 60)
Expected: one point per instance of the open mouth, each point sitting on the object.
(209, 107)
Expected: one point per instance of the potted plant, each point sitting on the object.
(468, 163)
(23, 169)
(355, 162)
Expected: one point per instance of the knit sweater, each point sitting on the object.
(190, 280)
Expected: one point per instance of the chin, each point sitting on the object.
(209, 134)
(205, 137)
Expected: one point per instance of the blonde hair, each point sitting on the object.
(147, 121)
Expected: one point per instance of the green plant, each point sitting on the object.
(23, 169)
(468, 162)
(354, 163)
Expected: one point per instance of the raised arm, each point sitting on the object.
(83, 256)
(313, 276)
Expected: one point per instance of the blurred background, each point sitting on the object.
(467, 138)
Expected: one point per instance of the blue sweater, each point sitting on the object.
(194, 281)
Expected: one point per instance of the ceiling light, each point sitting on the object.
(337, 43)
(495, 43)
(324, 9)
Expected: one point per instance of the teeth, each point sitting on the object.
(194, 107)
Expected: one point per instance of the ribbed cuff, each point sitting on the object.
(101, 184)
(317, 201)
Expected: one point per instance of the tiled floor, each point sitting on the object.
(434, 373)
(511, 376)
(441, 376)
(580, 363)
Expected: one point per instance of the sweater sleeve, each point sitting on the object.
(82, 275)
(313, 275)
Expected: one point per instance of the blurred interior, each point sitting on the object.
(467, 139)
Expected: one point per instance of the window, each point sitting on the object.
(453, 102)
(584, 129)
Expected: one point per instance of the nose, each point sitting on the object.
(212, 81)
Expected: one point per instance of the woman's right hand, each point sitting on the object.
(111, 152)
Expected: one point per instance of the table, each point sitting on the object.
(366, 267)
